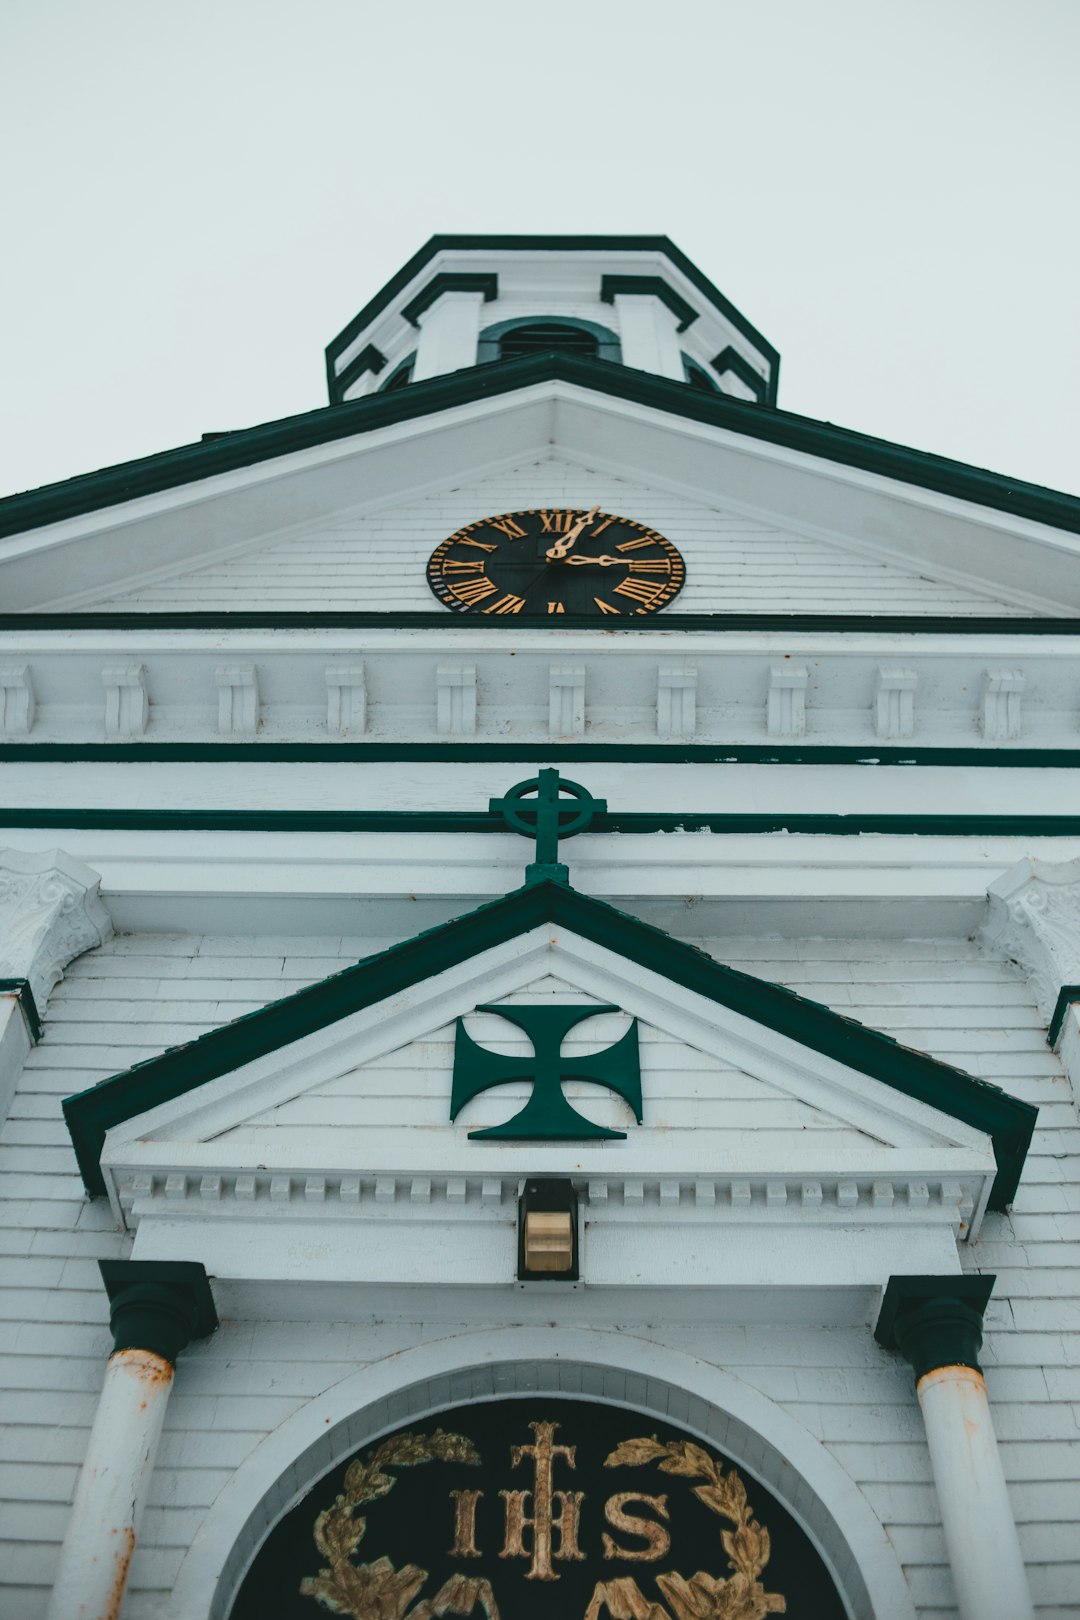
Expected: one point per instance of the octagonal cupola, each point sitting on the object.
(636, 301)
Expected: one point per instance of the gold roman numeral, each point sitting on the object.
(463, 567)
(479, 544)
(661, 565)
(507, 526)
(555, 522)
(556, 607)
(637, 590)
(507, 604)
(605, 607)
(472, 591)
(606, 524)
(635, 545)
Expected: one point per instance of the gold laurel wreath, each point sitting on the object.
(703, 1596)
(377, 1591)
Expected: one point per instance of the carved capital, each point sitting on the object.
(50, 912)
(1035, 921)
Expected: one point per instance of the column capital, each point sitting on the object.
(934, 1321)
(50, 912)
(1035, 919)
(158, 1305)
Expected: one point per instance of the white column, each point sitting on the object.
(976, 1515)
(449, 334)
(648, 335)
(156, 1309)
(112, 1488)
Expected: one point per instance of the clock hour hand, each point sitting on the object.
(563, 544)
(604, 561)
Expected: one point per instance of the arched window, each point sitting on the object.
(400, 377)
(698, 377)
(537, 334)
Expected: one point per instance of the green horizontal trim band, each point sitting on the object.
(1005, 1119)
(1066, 996)
(716, 623)
(25, 997)
(467, 821)
(191, 463)
(676, 753)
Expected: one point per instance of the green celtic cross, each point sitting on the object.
(547, 817)
(547, 1116)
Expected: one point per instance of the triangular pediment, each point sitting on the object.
(740, 1079)
(737, 561)
(948, 526)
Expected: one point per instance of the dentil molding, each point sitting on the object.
(1035, 920)
(50, 912)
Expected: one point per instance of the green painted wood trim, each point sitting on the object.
(553, 244)
(450, 281)
(730, 359)
(935, 1321)
(158, 1305)
(23, 994)
(174, 468)
(144, 623)
(1066, 996)
(612, 287)
(674, 753)
(369, 359)
(123, 818)
(1005, 1119)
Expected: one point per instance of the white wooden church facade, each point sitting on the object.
(247, 762)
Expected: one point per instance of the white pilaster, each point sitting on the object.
(346, 699)
(238, 699)
(50, 912)
(566, 700)
(449, 334)
(676, 700)
(1034, 920)
(976, 1516)
(16, 700)
(455, 692)
(894, 714)
(127, 702)
(786, 715)
(112, 1488)
(648, 335)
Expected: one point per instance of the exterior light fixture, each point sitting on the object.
(548, 1232)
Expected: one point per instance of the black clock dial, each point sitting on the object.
(556, 562)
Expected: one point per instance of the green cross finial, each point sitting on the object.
(547, 818)
(547, 1116)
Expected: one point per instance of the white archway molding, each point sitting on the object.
(583, 1363)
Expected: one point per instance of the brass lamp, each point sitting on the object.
(548, 1232)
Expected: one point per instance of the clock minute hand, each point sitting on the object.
(563, 544)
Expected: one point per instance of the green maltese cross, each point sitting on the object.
(547, 1116)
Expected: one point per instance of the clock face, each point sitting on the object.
(556, 561)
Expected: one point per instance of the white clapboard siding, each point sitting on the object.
(125, 1001)
(734, 564)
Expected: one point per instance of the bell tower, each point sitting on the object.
(635, 301)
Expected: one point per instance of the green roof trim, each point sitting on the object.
(553, 244)
(908, 624)
(248, 447)
(24, 995)
(612, 287)
(179, 1070)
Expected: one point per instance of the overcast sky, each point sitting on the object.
(198, 195)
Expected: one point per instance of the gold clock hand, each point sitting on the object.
(564, 543)
(604, 561)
